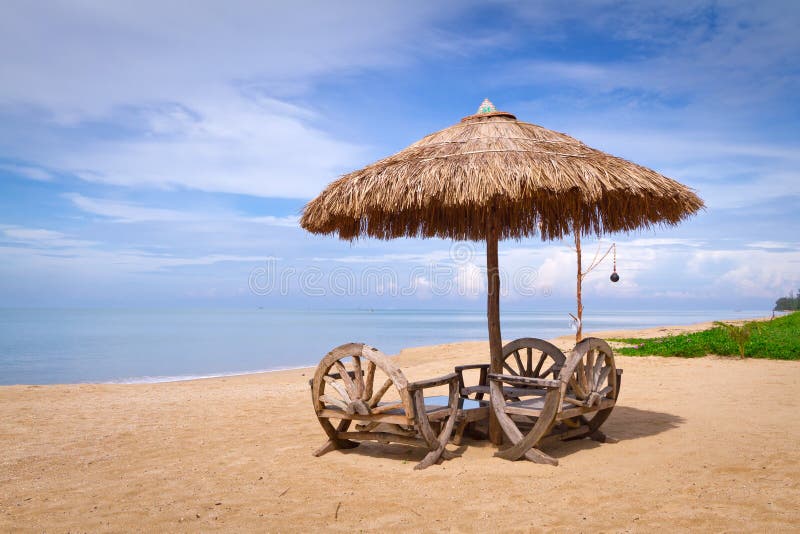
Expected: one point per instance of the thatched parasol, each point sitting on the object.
(492, 177)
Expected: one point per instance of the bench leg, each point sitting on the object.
(602, 438)
(459, 432)
(335, 442)
(538, 457)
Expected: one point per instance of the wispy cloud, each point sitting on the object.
(32, 173)
(130, 212)
(41, 237)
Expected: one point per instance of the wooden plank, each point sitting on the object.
(568, 434)
(432, 382)
(387, 407)
(384, 437)
(380, 418)
(526, 381)
(576, 411)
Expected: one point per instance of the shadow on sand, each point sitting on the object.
(625, 423)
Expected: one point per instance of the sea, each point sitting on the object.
(56, 346)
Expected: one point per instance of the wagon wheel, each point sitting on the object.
(533, 358)
(357, 379)
(593, 379)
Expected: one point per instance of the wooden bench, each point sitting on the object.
(355, 383)
(571, 402)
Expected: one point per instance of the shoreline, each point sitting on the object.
(563, 342)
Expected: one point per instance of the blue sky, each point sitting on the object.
(153, 154)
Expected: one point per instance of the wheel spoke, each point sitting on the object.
(588, 368)
(603, 376)
(519, 363)
(551, 369)
(348, 382)
(369, 380)
(359, 376)
(580, 376)
(509, 369)
(380, 393)
(529, 367)
(601, 360)
(580, 393)
(333, 400)
(539, 365)
(335, 384)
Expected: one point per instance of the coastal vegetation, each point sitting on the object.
(778, 339)
(790, 303)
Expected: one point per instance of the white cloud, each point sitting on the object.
(228, 143)
(751, 272)
(32, 173)
(129, 212)
(198, 97)
(85, 260)
(470, 280)
(40, 237)
(774, 245)
(118, 54)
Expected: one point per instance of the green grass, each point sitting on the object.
(778, 339)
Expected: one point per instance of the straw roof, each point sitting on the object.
(528, 179)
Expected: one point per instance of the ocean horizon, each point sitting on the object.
(105, 345)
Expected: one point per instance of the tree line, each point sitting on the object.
(789, 303)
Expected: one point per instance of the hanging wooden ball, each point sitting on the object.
(614, 277)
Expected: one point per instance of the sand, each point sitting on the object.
(708, 444)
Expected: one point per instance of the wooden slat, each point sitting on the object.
(387, 407)
(567, 434)
(432, 382)
(574, 412)
(333, 413)
(526, 381)
(384, 436)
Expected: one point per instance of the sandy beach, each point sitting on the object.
(707, 444)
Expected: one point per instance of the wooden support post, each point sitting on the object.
(493, 316)
(579, 332)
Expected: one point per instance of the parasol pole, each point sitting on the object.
(579, 330)
(493, 316)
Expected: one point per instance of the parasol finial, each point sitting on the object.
(486, 107)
